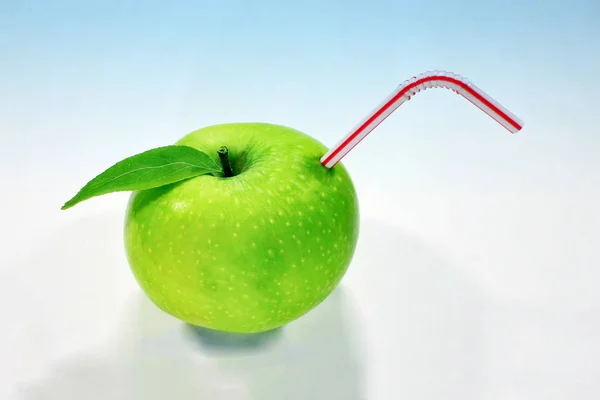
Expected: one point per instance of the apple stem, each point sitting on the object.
(224, 156)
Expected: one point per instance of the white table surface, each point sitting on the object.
(449, 296)
(477, 270)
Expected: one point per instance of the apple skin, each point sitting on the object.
(252, 252)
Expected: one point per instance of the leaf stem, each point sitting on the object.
(224, 156)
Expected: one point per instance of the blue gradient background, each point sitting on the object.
(80, 77)
(84, 84)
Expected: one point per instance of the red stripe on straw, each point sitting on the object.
(407, 89)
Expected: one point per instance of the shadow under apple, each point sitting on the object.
(224, 343)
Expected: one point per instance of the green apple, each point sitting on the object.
(250, 252)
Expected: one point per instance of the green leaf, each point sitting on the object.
(147, 170)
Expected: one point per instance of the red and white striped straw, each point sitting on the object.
(409, 88)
